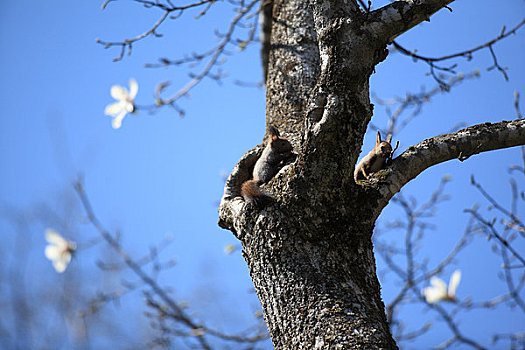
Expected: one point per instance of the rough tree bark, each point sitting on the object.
(310, 253)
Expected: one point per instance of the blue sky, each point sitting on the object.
(161, 174)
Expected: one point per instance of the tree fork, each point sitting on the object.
(310, 253)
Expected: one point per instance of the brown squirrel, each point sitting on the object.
(376, 159)
(274, 157)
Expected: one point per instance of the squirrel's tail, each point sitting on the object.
(254, 195)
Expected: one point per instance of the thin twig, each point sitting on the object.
(431, 61)
(177, 312)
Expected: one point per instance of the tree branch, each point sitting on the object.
(468, 54)
(215, 57)
(394, 19)
(171, 308)
(167, 8)
(461, 145)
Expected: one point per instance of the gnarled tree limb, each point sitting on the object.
(392, 20)
(459, 145)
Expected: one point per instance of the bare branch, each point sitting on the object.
(394, 19)
(415, 103)
(517, 104)
(172, 310)
(218, 52)
(414, 273)
(493, 233)
(431, 61)
(167, 8)
(439, 149)
(515, 219)
(128, 43)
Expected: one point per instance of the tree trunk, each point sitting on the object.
(310, 253)
(316, 294)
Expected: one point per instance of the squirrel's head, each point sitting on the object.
(383, 147)
(277, 142)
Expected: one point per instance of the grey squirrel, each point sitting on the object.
(274, 157)
(376, 159)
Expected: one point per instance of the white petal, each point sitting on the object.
(436, 292)
(114, 108)
(55, 238)
(133, 88)
(53, 252)
(117, 120)
(453, 284)
(433, 294)
(118, 92)
(59, 265)
(438, 283)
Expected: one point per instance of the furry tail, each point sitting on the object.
(254, 195)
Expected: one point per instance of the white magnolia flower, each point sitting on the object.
(59, 250)
(125, 102)
(438, 291)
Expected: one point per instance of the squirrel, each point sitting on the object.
(275, 155)
(376, 159)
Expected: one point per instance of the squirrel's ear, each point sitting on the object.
(273, 131)
(378, 138)
(389, 138)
